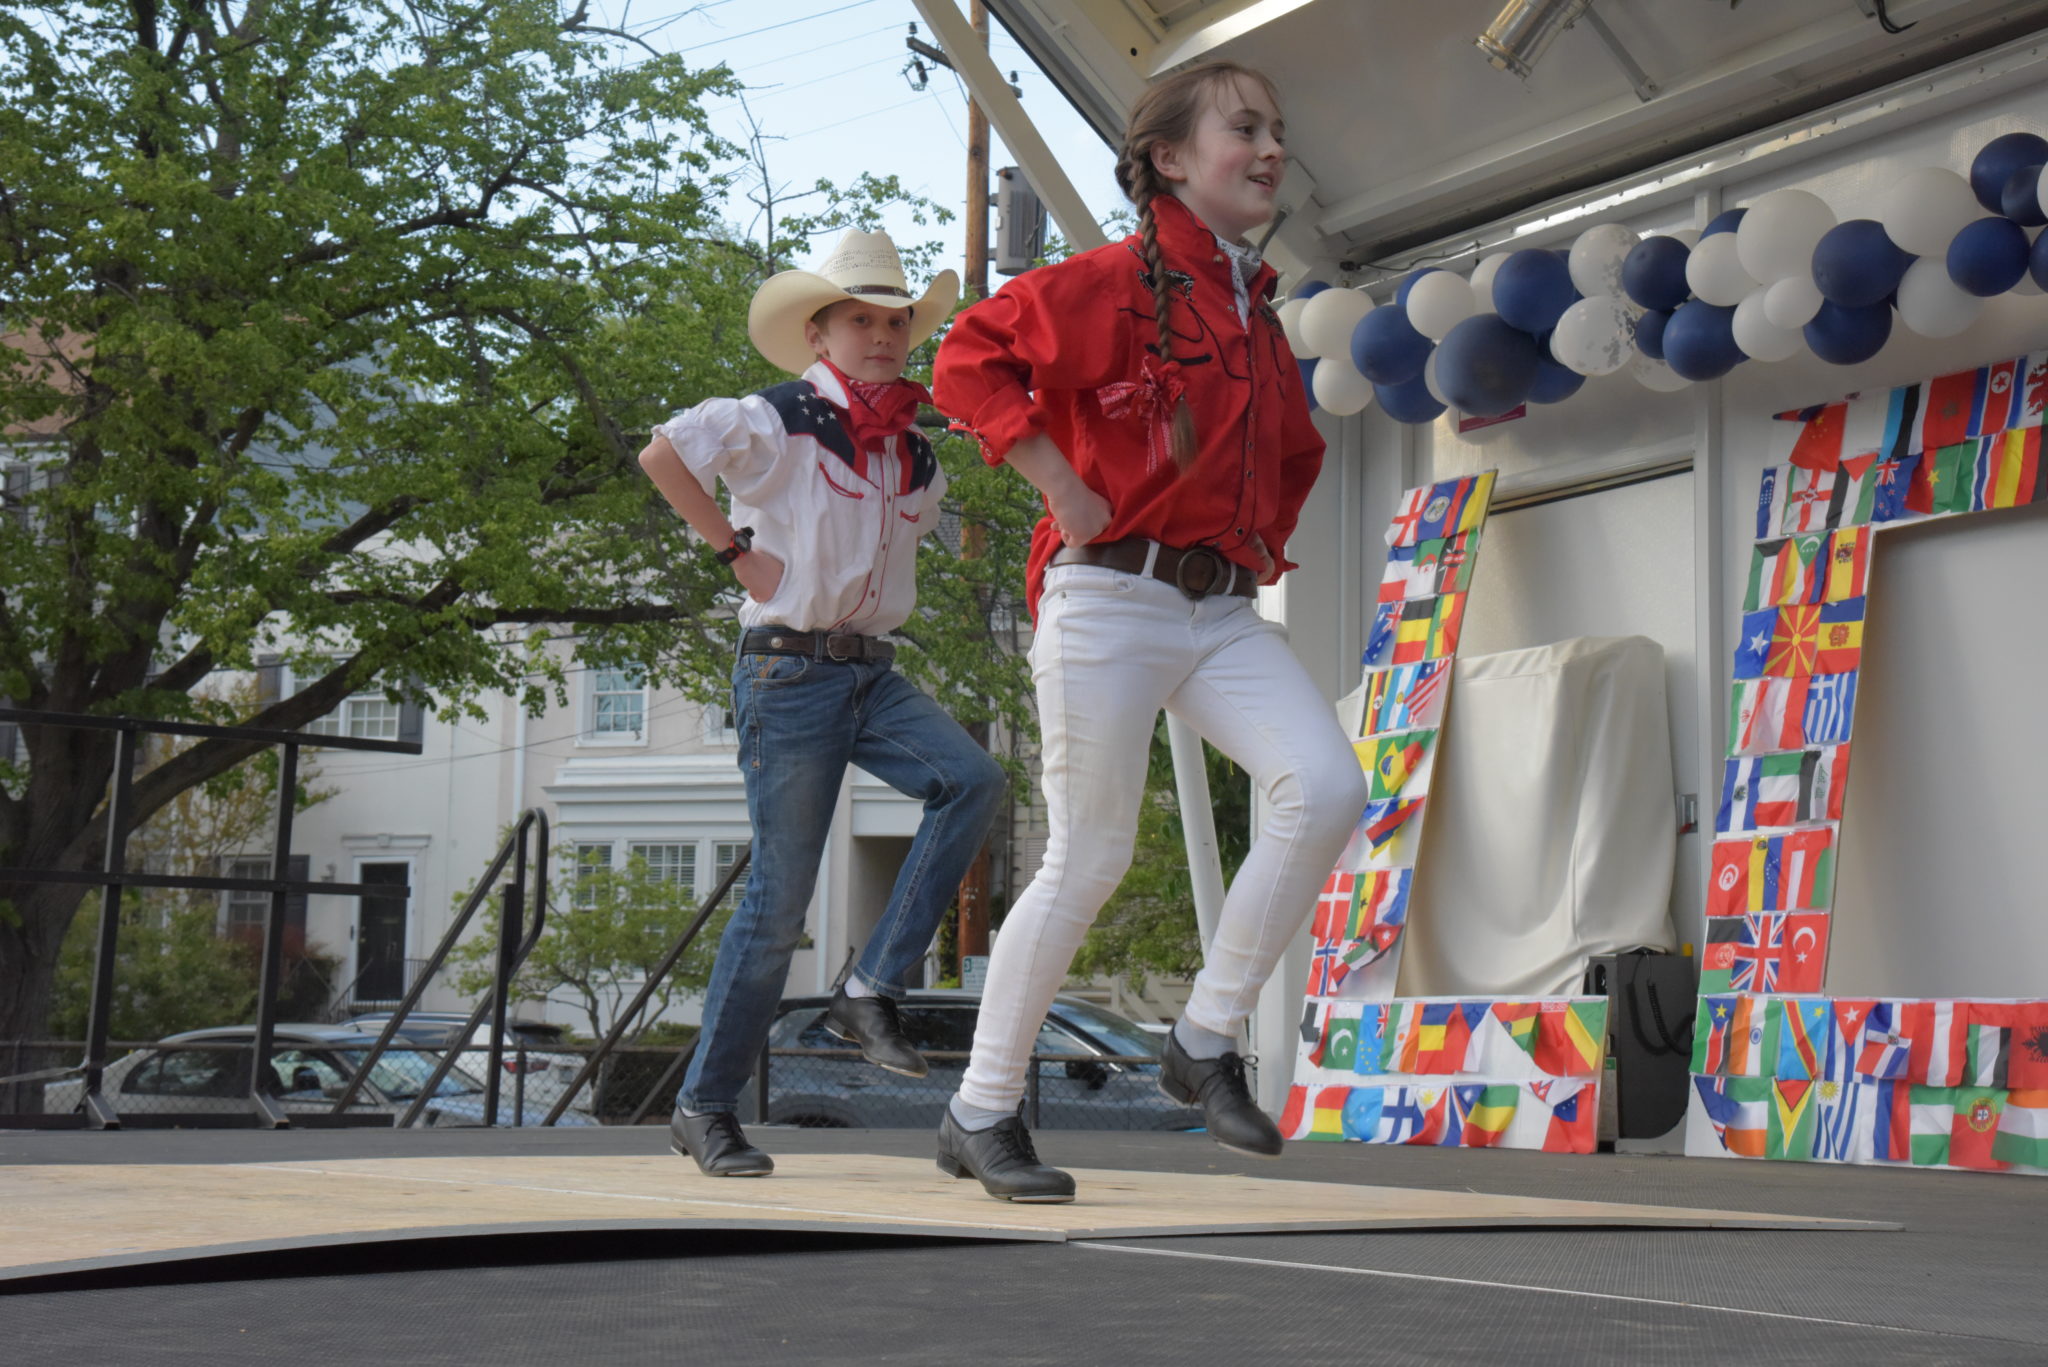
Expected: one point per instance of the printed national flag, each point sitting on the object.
(1930, 1119)
(1381, 906)
(1403, 1119)
(1770, 501)
(1974, 1132)
(1754, 646)
(1490, 1113)
(2028, 1068)
(1785, 570)
(1987, 1048)
(1379, 641)
(1819, 443)
(1891, 1120)
(1361, 1117)
(1413, 633)
(1326, 1113)
(1847, 561)
(1787, 872)
(1768, 714)
(1794, 640)
(1440, 1038)
(1372, 1034)
(1805, 960)
(1327, 970)
(1717, 959)
(1404, 578)
(1711, 1037)
(1294, 1115)
(1384, 820)
(1954, 405)
(1807, 496)
(1854, 498)
(1450, 561)
(1574, 1120)
(1390, 761)
(1445, 626)
(1752, 1038)
(1571, 1038)
(1842, 1131)
(2002, 399)
(1334, 906)
(1895, 476)
(1505, 1045)
(1759, 955)
(1803, 1032)
(1782, 790)
(1792, 1115)
(2022, 1136)
(1340, 1041)
(1839, 637)
(1939, 1034)
(1884, 1048)
(1900, 433)
(1829, 708)
(2008, 470)
(1735, 1107)
(2036, 394)
(1406, 696)
(1406, 527)
(1313, 1014)
(1456, 505)
(1941, 484)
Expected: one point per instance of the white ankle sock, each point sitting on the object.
(854, 987)
(694, 1115)
(1200, 1043)
(973, 1117)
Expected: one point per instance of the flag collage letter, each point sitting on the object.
(1780, 1071)
(1455, 1072)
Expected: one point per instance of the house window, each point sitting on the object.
(725, 854)
(590, 857)
(720, 726)
(618, 704)
(369, 715)
(668, 863)
(245, 912)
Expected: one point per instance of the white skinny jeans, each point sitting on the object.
(1110, 651)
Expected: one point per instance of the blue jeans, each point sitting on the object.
(801, 722)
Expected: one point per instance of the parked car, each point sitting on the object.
(1091, 1092)
(207, 1072)
(548, 1070)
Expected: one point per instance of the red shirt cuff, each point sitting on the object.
(1008, 417)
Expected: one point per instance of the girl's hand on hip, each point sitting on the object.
(759, 573)
(1269, 573)
(1080, 514)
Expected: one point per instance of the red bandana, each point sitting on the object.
(876, 412)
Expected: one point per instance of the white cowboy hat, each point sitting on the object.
(859, 266)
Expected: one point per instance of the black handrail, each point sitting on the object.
(532, 820)
(650, 987)
(114, 876)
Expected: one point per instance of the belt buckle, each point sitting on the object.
(830, 654)
(1207, 555)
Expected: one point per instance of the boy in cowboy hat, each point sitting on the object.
(832, 487)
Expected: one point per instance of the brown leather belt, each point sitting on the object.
(819, 645)
(1198, 571)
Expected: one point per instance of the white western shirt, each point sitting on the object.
(847, 539)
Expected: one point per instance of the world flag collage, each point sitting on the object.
(1781, 1073)
(1440, 1071)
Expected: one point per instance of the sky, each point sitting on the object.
(825, 82)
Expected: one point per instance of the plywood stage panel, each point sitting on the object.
(63, 1218)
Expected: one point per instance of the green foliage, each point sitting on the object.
(606, 931)
(1149, 925)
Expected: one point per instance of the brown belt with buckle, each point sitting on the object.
(819, 645)
(1198, 571)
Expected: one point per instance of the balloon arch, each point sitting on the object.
(1757, 283)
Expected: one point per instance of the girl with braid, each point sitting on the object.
(1146, 390)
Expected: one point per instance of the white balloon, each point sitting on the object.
(1596, 258)
(1792, 302)
(1933, 305)
(1656, 375)
(1439, 302)
(1689, 236)
(1339, 388)
(1926, 208)
(1482, 281)
(1328, 320)
(1714, 272)
(1429, 381)
(1596, 336)
(1290, 323)
(1760, 338)
(1777, 236)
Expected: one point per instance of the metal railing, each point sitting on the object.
(526, 849)
(115, 875)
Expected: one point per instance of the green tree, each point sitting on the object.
(606, 930)
(336, 331)
(1149, 925)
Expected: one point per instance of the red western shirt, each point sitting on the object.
(1071, 350)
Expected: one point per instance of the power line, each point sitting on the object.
(801, 19)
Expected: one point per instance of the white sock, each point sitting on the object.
(694, 1115)
(854, 987)
(973, 1117)
(1204, 1044)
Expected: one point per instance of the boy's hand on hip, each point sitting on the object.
(759, 573)
(1079, 513)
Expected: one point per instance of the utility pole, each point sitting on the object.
(977, 174)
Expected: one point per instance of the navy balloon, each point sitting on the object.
(1408, 283)
(1386, 348)
(1653, 273)
(1531, 291)
(1554, 383)
(2020, 201)
(1841, 335)
(1485, 365)
(1650, 334)
(1409, 402)
(1308, 378)
(1699, 341)
(1995, 164)
(1989, 256)
(1727, 221)
(2038, 262)
(1308, 289)
(1856, 263)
